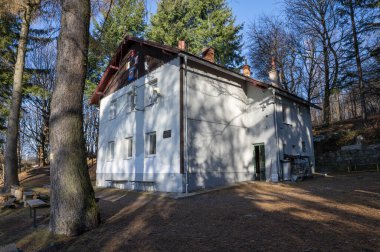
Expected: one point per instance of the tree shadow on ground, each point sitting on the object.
(254, 216)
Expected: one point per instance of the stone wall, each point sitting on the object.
(349, 158)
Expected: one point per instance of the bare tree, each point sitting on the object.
(318, 19)
(73, 206)
(36, 104)
(312, 74)
(269, 39)
(295, 55)
(358, 59)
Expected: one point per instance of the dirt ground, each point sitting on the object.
(334, 213)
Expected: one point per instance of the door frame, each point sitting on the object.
(262, 173)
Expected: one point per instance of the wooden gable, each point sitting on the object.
(139, 60)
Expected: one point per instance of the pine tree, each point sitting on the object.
(200, 23)
(26, 10)
(8, 42)
(124, 17)
(121, 18)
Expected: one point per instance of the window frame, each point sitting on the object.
(285, 113)
(148, 100)
(110, 154)
(128, 154)
(130, 102)
(150, 151)
(303, 146)
(113, 109)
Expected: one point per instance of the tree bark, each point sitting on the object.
(73, 206)
(327, 91)
(358, 62)
(11, 160)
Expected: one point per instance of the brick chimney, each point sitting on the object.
(182, 45)
(246, 69)
(208, 54)
(273, 74)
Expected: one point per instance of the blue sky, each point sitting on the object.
(246, 11)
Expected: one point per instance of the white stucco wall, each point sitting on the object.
(164, 167)
(223, 124)
(296, 128)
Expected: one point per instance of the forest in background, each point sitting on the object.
(326, 51)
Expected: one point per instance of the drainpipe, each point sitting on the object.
(276, 133)
(185, 128)
(186, 140)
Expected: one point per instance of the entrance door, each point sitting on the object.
(259, 161)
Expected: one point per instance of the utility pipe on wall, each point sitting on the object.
(186, 139)
(275, 130)
(184, 56)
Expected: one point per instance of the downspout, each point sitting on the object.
(186, 140)
(185, 128)
(275, 130)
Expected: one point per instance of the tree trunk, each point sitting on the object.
(358, 63)
(73, 206)
(327, 91)
(11, 161)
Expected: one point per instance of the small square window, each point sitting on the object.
(112, 111)
(110, 150)
(129, 147)
(151, 143)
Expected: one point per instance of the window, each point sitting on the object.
(150, 94)
(130, 102)
(129, 147)
(110, 150)
(113, 108)
(285, 113)
(299, 107)
(303, 146)
(151, 143)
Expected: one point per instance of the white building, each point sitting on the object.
(187, 123)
